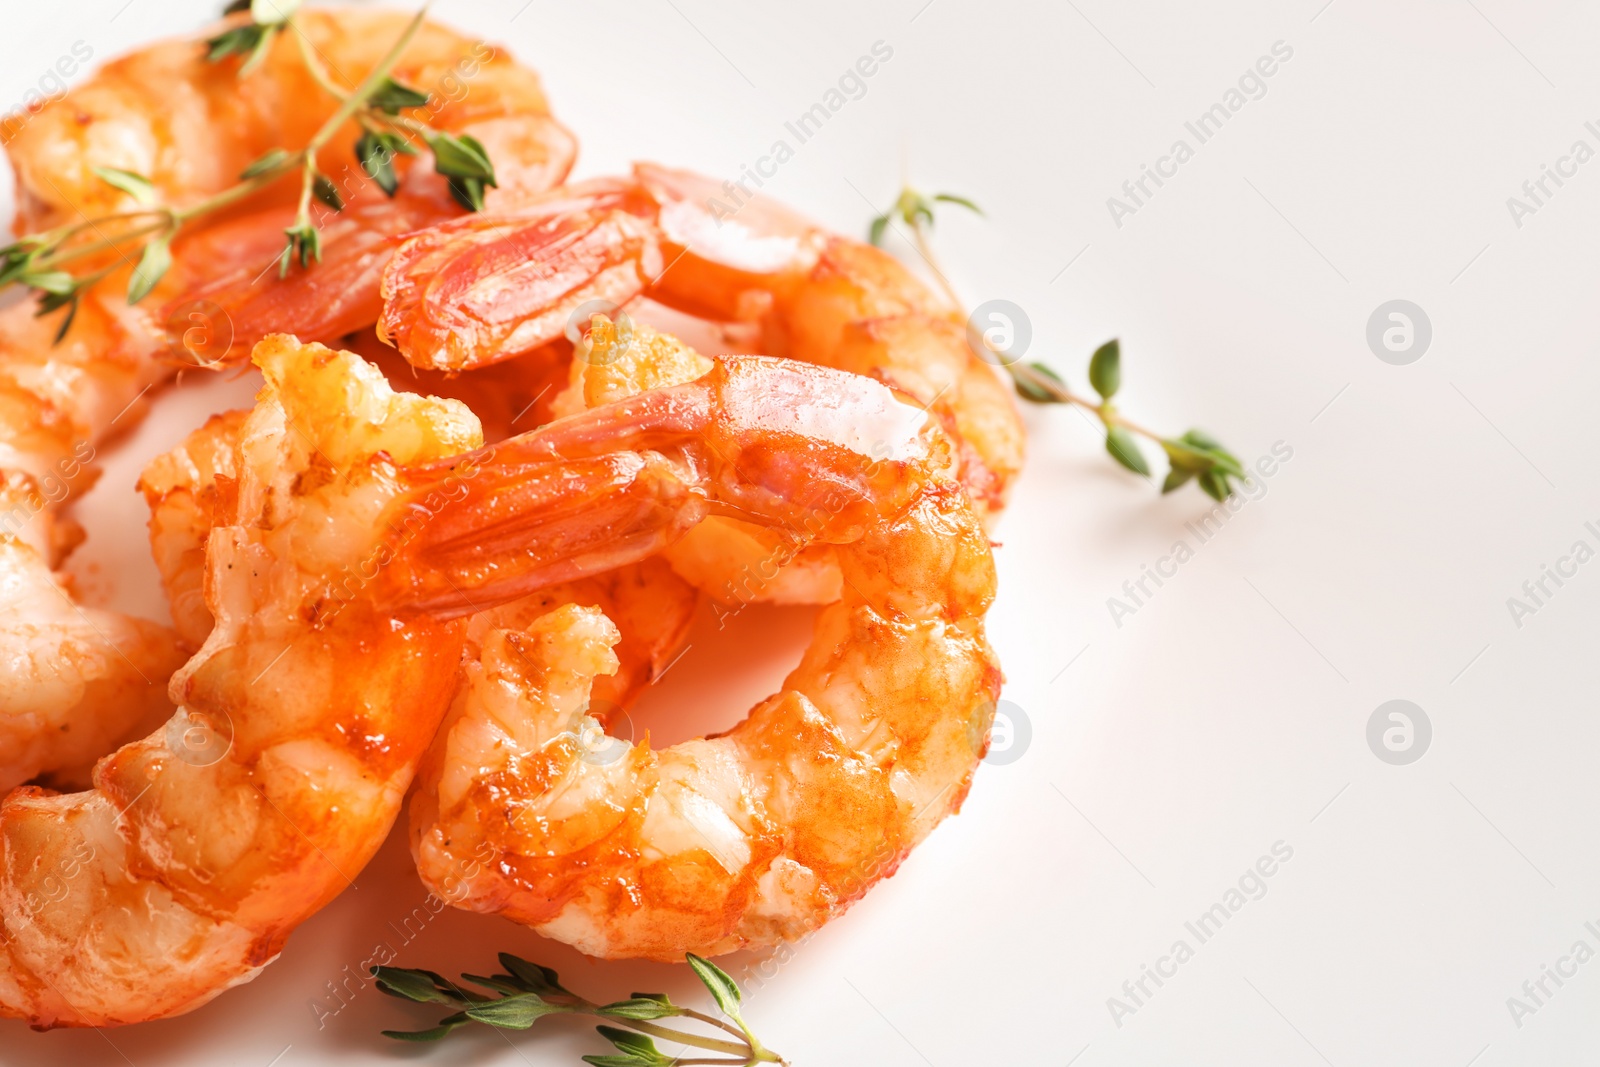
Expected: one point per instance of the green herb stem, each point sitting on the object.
(166, 218)
(314, 65)
(690, 1013)
(308, 183)
(402, 124)
(1192, 456)
(70, 255)
(369, 84)
(234, 193)
(711, 1044)
(529, 992)
(60, 234)
(1107, 413)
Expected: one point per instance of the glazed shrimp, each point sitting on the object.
(192, 126)
(731, 560)
(767, 831)
(193, 488)
(203, 845)
(492, 286)
(76, 682)
(189, 491)
(58, 403)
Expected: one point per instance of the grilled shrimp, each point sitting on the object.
(733, 561)
(204, 844)
(767, 831)
(490, 287)
(75, 682)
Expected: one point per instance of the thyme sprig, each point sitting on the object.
(528, 992)
(377, 104)
(1193, 454)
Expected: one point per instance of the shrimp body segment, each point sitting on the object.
(299, 725)
(767, 831)
(74, 681)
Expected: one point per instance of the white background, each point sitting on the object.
(1229, 712)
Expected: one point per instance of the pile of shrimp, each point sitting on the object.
(557, 425)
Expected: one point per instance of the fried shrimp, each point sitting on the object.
(765, 832)
(204, 844)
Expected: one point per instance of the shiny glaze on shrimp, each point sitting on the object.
(763, 833)
(489, 287)
(204, 844)
(732, 561)
(192, 126)
(493, 286)
(75, 682)
(194, 488)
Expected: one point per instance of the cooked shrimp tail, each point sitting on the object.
(491, 287)
(203, 845)
(767, 831)
(771, 441)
